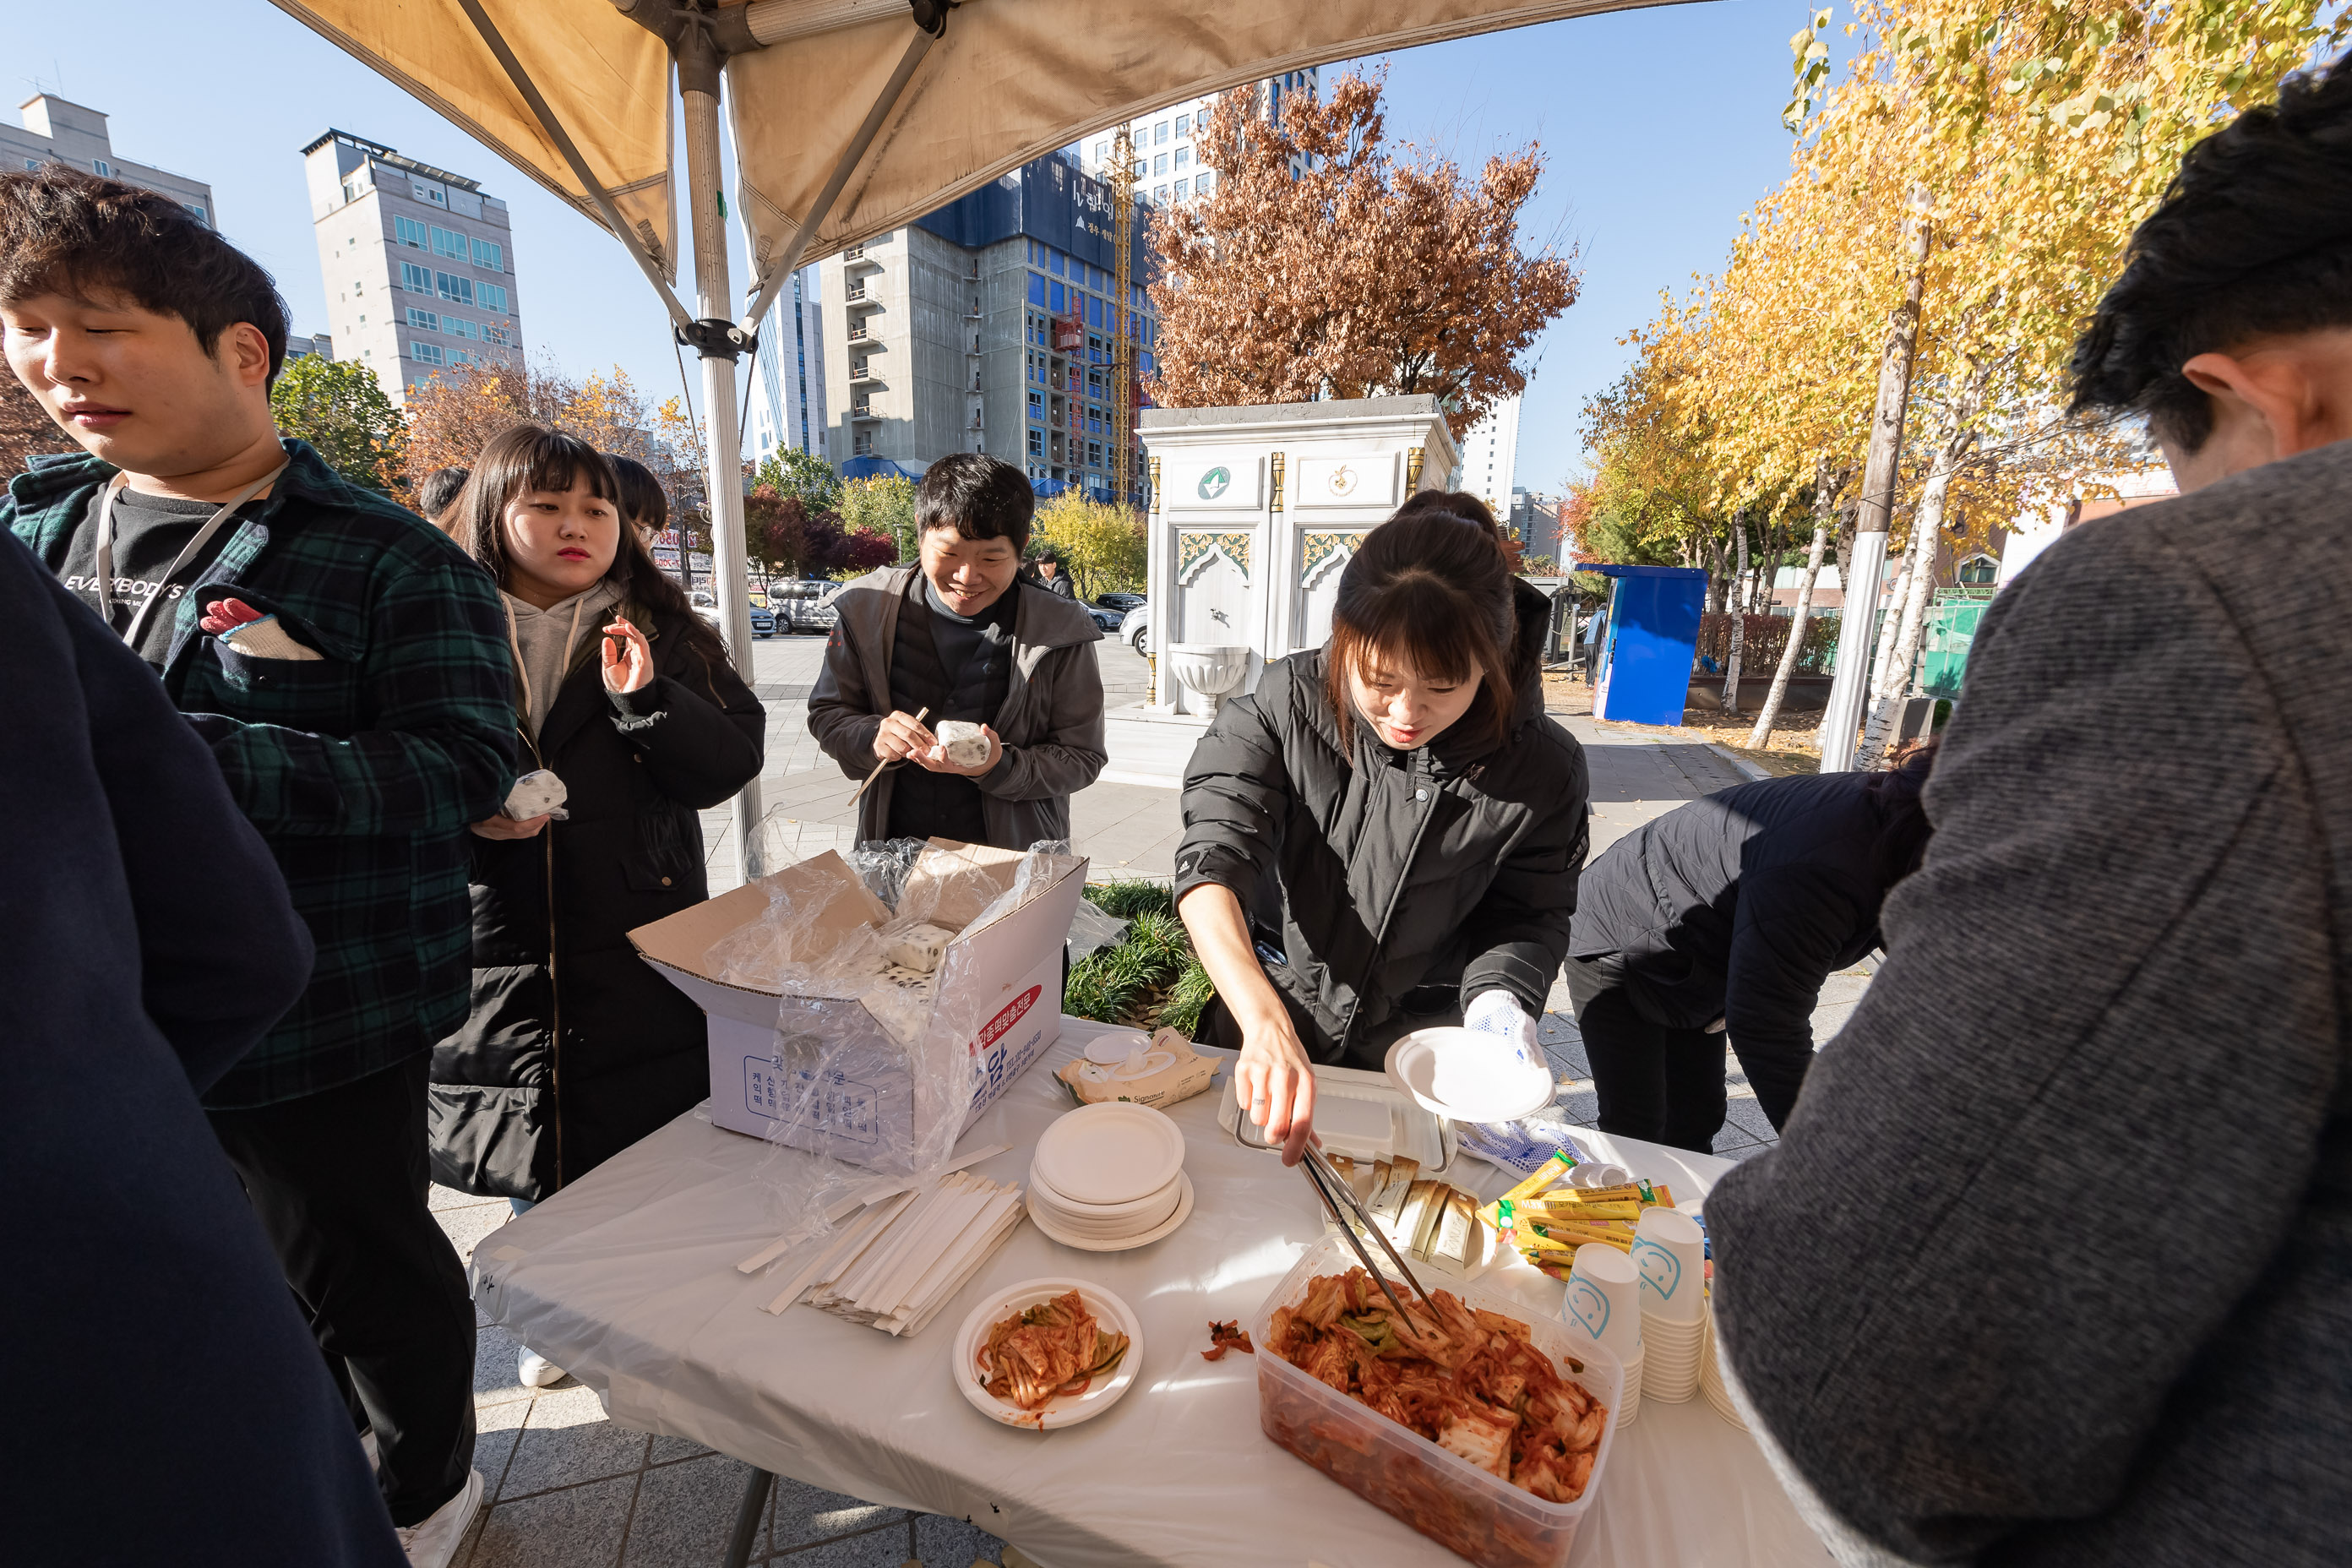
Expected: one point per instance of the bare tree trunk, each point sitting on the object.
(1825, 491)
(1860, 569)
(1897, 597)
(1927, 530)
(1738, 617)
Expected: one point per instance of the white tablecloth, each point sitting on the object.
(627, 1281)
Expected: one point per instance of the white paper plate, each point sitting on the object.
(1168, 1227)
(1113, 1152)
(1063, 1409)
(1144, 1214)
(1155, 1204)
(1465, 1075)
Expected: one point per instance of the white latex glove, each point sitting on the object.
(1500, 1013)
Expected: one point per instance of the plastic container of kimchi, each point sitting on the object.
(1472, 1512)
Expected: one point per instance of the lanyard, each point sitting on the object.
(188, 551)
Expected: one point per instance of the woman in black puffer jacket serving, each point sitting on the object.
(1386, 835)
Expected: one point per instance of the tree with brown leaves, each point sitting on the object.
(1372, 271)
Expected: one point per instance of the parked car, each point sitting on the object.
(805, 605)
(1135, 630)
(764, 622)
(1108, 620)
(1122, 603)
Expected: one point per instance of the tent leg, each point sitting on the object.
(723, 473)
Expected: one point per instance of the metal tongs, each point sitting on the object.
(1334, 1189)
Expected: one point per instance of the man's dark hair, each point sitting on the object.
(978, 496)
(2253, 238)
(65, 232)
(642, 500)
(440, 488)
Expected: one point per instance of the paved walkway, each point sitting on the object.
(569, 1489)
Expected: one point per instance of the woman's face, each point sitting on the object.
(1404, 710)
(559, 542)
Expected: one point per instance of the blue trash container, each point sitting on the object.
(1651, 639)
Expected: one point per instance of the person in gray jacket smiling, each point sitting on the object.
(959, 636)
(2053, 1262)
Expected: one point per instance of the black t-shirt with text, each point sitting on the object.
(149, 533)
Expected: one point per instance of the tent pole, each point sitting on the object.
(723, 472)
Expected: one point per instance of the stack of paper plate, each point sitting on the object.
(1109, 1176)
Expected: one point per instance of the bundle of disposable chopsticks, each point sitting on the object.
(895, 1265)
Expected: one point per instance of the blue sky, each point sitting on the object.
(1663, 126)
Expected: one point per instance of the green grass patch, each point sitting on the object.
(1150, 977)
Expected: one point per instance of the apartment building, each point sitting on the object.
(418, 263)
(56, 131)
(1168, 166)
(788, 408)
(987, 326)
(1490, 454)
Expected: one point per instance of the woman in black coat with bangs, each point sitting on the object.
(575, 1048)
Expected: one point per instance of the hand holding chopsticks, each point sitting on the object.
(920, 714)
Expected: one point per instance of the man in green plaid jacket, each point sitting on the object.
(361, 768)
(347, 662)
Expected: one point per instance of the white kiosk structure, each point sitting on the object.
(1255, 513)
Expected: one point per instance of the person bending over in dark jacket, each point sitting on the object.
(1386, 834)
(146, 943)
(2053, 1264)
(575, 1048)
(1725, 917)
(959, 636)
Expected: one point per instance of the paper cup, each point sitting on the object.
(1670, 1253)
(1604, 1300)
(1629, 1402)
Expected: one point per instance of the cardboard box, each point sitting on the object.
(823, 1075)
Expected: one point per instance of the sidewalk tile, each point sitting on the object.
(805, 1513)
(467, 1225)
(568, 1440)
(884, 1548)
(495, 1354)
(666, 1449)
(496, 1430)
(579, 1528)
(686, 1514)
(943, 1542)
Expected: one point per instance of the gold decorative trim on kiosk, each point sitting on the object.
(1412, 469)
(1277, 481)
(1194, 546)
(1315, 549)
(1155, 487)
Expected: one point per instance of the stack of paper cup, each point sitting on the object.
(1670, 1256)
(1603, 1302)
(1710, 1379)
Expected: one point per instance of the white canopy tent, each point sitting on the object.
(850, 117)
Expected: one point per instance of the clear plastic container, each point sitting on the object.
(1453, 1502)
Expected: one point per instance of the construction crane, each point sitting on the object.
(1122, 374)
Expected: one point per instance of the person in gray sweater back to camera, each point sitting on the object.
(2053, 1264)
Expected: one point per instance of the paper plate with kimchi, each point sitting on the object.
(1048, 1352)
